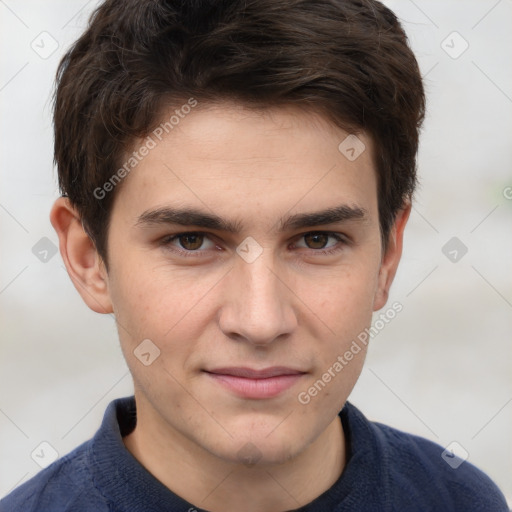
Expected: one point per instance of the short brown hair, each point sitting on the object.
(346, 59)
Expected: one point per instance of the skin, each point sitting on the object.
(292, 306)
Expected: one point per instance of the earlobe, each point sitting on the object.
(391, 258)
(83, 263)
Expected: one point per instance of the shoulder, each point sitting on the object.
(395, 470)
(66, 485)
(420, 466)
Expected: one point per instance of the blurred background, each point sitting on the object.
(440, 369)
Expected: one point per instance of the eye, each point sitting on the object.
(188, 242)
(321, 241)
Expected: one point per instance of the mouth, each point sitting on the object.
(256, 383)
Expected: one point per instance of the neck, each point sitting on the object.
(217, 485)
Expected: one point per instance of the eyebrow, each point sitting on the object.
(193, 217)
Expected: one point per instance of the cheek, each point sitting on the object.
(137, 293)
(344, 300)
(337, 371)
(344, 306)
(159, 302)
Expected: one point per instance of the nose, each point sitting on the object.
(258, 306)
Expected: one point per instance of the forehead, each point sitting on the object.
(227, 156)
(233, 132)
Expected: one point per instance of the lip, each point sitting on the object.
(256, 384)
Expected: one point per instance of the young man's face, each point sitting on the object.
(290, 299)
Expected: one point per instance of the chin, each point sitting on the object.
(259, 450)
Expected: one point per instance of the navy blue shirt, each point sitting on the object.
(386, 470)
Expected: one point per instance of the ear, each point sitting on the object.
(391, 258)
(83, 263)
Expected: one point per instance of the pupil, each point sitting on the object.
(191, 242)
(316, 240)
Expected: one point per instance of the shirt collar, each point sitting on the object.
(130, 487)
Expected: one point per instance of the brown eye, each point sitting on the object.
(316, 240)
(191, 241)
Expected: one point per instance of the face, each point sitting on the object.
(246, 248)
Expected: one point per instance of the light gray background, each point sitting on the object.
(440, 369)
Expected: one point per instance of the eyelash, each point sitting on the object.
(167, 240)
